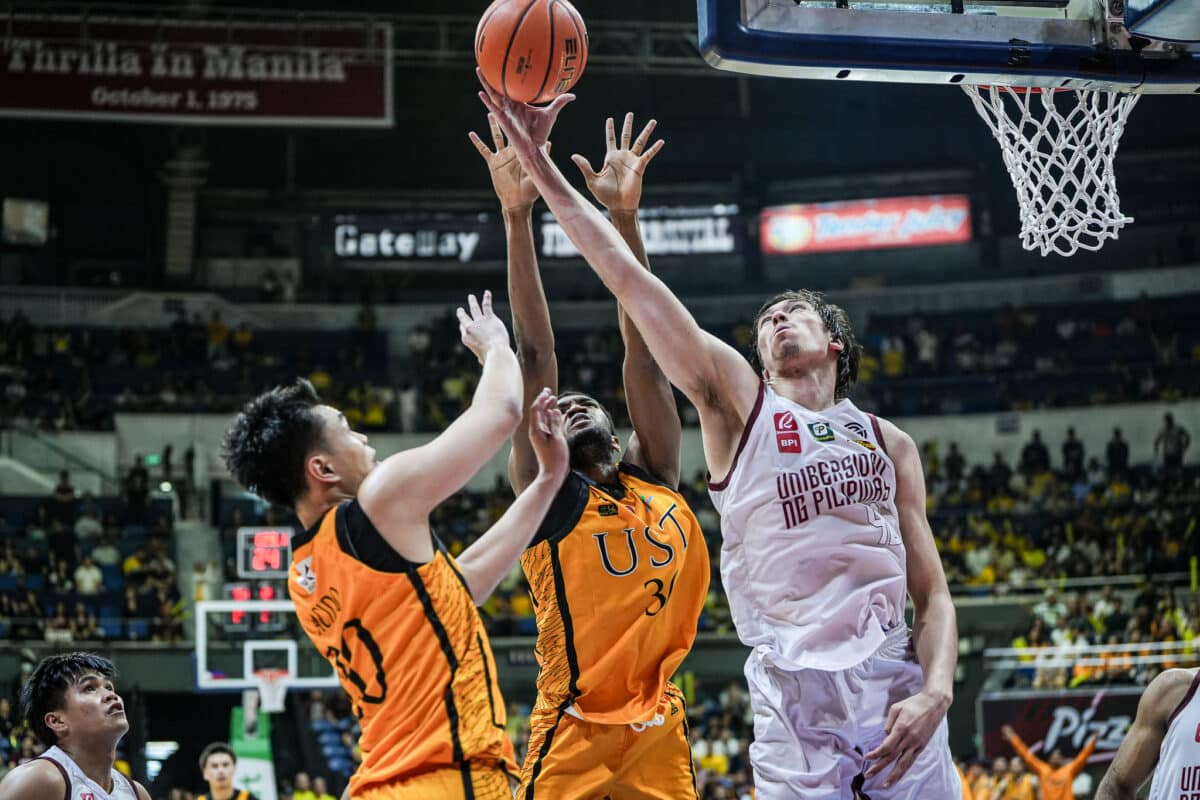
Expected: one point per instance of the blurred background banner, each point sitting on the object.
(400, 240)
(1062, 721)
(666, 231)
(319, 72)
(866, 224)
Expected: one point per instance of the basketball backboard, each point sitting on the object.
(1072, 44)
(235, 638)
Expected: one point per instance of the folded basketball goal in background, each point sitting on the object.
(1055, 80)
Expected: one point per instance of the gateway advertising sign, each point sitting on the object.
(394, 240)
(866, 224)
(201, 72)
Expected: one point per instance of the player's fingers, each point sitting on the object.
(885, 752)
(639, 143)
(487, 302)
(893, 712)
(489, 103)
(584, 167)
(626, 130)
(497, 134)
(538, 412)
(610, 135)
(487, 87)
(463, 319)
(901, 766)
(653, 151)
(479, 145)
(473, 304)
(557, 105)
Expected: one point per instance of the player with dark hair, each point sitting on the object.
(1162, 740)
(823, 524)
(70, 704)
(218, 764)
(619, 570)
(376, 590)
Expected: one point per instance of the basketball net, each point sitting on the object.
(1060, 161)
(272, 689)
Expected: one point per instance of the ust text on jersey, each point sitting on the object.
(656, 543)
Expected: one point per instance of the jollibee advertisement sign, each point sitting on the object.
(866, 224)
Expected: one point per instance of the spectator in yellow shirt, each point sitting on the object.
(304, 789)
(319, 789)
(1021, 784)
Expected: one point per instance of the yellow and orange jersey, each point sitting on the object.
(409, 647)
(618, 577)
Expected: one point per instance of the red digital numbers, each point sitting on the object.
(265, 592)
(270, 539)
(239, 592)
(268, 550)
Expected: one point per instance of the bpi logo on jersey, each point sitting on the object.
(303, 575)
(787, 433)
(821, 431)
(87, 796)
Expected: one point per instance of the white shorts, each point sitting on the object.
(812, 727)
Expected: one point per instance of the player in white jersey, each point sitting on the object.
(1164, 738)
(824, 525)
(72, 707)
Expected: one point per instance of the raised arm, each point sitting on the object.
(714, 376)
(648, 395)
(1080, 760)
(911, 721)
(1139, 751)
(531, 316)
(485, 563)
(399, 493)
(1041, 768)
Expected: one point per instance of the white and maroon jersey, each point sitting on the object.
(1178, 772)
(811, 557)
(81, 787)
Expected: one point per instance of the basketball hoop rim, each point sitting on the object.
(272, 673)
(1023, 89)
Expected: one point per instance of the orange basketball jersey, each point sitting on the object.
(618, 577)
(409, 647)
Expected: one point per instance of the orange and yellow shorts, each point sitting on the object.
(569, 757)
(486, 783)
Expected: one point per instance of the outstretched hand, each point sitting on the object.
(618, 184)
(512, 185)
(547, 436)
(910, 724)
(481, 330)
(527, 127)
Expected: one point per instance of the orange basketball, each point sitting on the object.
(531, 50)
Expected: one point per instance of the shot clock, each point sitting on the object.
(264, 552)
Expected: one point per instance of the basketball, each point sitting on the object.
(531, 51)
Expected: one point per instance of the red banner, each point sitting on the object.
(866, 224)
(199, 72)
